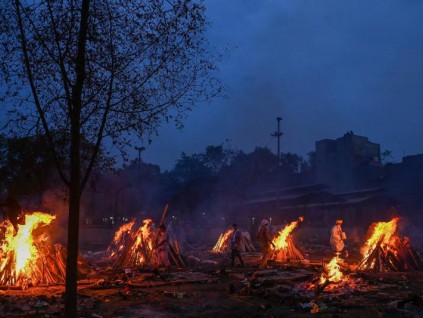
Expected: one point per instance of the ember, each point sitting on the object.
(386, 251)
(284, 246)
(29, 257)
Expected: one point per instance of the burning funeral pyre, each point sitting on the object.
(285, 249)
(29, 258)
(223, 243)
(386, 251)
(333, 277)
(132, 247)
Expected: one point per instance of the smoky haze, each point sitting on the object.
(326, 67)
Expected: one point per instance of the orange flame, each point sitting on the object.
(281, 241)
(118, 243)
(20, 253)
(381, 232)
(132, 247)
(144, 240)
(127, 227)
(332, 271)
(222, 243)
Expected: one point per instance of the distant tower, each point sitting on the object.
(278, 135)
(139, 149)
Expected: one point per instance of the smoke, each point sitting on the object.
(54, 201)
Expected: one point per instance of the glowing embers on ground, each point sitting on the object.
(223, 243)
(285, 249)
(384, 250)
(332, 271)
(333, 277)
(29, 258)
(133, 247)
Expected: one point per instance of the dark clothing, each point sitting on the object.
(263, 237)
(236, 240)
(236, 247)
(236, 254)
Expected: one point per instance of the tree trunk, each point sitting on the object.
(72, 253)
(75, 187)
(73, 221)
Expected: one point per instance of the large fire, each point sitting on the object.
(385, 250)
(119, 240)
(284, 247)
(281, 239)
(332, 272)
(125, 228)
(222, 243)
(28, 257)
(144, 241)
(333, 278)
(133, 247)
(381, 234)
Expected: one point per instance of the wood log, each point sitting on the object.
(180, 262)
(366, 263)
(164, 214)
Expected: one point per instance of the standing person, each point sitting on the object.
(337, 237)
(13, 211)
(162, 247)
(265, 243)
(236, 241)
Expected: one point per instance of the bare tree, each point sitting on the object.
(99, 70)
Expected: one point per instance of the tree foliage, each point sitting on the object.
(145, 62)
(99, 70)
(25, 165)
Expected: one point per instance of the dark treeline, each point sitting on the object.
(209, 183)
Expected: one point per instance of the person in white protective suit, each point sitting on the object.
(337, 237)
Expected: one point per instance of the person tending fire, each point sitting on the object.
(265, 243)
(236, 241)
(337, 238)
(13, 211)
(162, 247)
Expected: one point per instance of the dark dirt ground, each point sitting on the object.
(216, 290)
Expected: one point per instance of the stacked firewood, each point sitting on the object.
(49, 268)
(289, 252)
(136, 249)
(27, 257)
(223, 244)
(397, 256)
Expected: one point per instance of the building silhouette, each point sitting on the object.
(348, 163)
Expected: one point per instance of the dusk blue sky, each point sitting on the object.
(325, 66)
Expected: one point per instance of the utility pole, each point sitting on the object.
(278, 135)
(139, 149)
